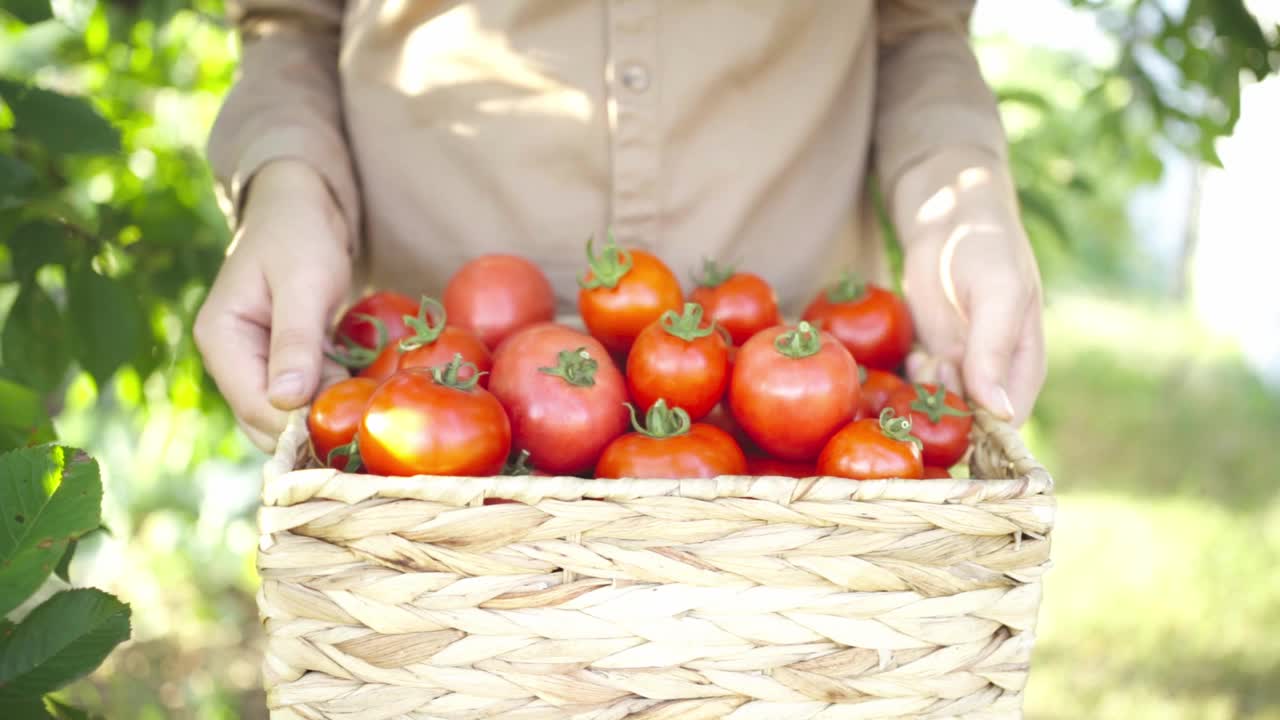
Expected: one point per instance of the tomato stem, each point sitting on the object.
(575, 367)
(934, 405)
(356, 356)
(424, 332)
(862, 375)
(898, 428)
(661, 421)
(713, 274)
(801, 342)
(447, 375)
(724, 333)
(351, 450)
(688, 325)
(849, 288)
(608, 268)
(518, 465)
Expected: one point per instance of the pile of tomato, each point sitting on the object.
(660, 385)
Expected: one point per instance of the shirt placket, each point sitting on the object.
(633, 76)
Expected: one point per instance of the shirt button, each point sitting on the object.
(635, 77)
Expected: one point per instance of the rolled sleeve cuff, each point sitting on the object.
(327, 157)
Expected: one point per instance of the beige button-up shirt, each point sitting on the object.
(743, 130)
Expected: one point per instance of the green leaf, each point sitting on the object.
(107, 322)
(892, 246)
(34, 341)
(36, 244)
(1023, 96)
(15, 176)
(28, 11)
(63, 639)
(64, 565)
(1080, 183)
(24, 709)
(24, 420)
(1209, 151)
(1146, 164)
(1234, 21)
(1036, 204)
(63, 570)
(62, 711)
(63, 124)
(49, 496)
(160, 11)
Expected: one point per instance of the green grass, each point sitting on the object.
(1164, 601)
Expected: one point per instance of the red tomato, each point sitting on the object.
(873, 449)
(369, 327)
(623, 292)
(782, 468)
(388, 307)
(741, 303)
(493, 296)
(722, 417)
(566, 398)
(671, 446)
(435, 344)
(335, 417)
(792, 389)
(682, 359)
(877, 386)
(872, 322)
(384, 364)
(932, 472)
(431, 422)
(940, 418)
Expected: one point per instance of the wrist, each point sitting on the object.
(290, 186)
(958, 190)
(286, 178)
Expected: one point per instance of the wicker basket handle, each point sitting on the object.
(291, 444)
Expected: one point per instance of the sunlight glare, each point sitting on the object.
(462, 129)
(973, 177)
(937, 206)
(453, 50)
(398, 429)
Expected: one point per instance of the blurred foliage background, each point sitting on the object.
(1165, 602)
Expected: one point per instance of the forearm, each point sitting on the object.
(286, 104)
(940, 147)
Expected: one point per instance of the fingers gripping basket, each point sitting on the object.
(746, 598)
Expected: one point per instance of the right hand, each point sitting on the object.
(263, 326)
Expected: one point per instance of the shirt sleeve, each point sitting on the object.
(930, 93)
(286, 102)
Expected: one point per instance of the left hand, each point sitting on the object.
(976, 304)
(973, 287)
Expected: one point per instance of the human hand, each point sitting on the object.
(974, 291)
(263, 326)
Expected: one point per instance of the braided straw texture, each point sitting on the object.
(750, 598)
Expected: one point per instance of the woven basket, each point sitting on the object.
(741, 597)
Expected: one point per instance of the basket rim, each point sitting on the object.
(285, 486)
